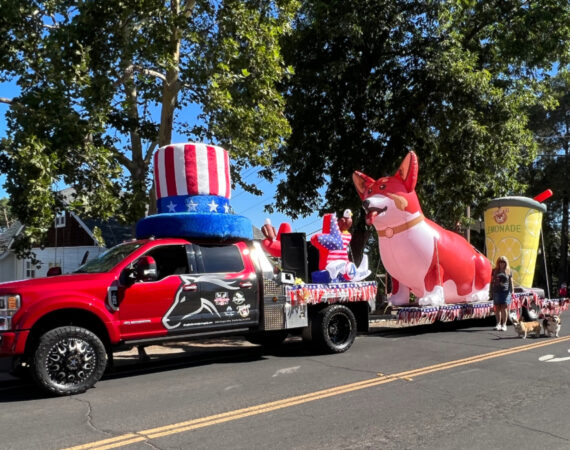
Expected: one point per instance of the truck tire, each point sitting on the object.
(68, 360)
(268, 339)
(334, 329)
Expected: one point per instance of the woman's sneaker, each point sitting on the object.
(504, 327)
(498, 327)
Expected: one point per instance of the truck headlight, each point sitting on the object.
(9, 305)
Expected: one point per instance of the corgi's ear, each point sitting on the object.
(362, 183)
(408, 171)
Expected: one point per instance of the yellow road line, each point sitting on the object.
(153, 433)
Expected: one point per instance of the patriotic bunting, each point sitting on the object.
(331, 293)
(426, 315)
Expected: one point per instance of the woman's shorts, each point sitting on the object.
(501, 298)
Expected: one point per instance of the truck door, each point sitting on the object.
(143, 305)
(227, 289)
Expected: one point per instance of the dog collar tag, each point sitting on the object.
(389, 232)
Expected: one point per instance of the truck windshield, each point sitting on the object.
(109, 259)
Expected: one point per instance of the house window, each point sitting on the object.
(60, 219)
(30, 270)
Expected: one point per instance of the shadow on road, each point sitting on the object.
(464, 326)
(160, 359)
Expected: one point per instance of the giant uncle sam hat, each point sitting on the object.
(193, 190)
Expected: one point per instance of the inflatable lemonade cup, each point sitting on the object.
(512, 229)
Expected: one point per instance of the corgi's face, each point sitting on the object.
(390, 201)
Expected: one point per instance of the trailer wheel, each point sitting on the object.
(268, 339)
(68, 360)
(334, 329)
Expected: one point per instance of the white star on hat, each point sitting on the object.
(213, 206)
(171, 207)
(191, 205)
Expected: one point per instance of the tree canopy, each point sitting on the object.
(552, 131)
(452, 81)
(103, 83)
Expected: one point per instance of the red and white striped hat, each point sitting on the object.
(192, 177)
(192, 169)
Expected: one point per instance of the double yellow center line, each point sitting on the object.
(153, 433)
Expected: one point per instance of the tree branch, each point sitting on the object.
(136, 68)
(122, 159)
(6, 100)
(149, 152)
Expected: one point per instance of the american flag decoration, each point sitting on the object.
(331, 243)
(331, 293)
(192, 177)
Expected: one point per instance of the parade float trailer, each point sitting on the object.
(193, 272)
(436, 274)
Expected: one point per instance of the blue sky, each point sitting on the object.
(242, 202)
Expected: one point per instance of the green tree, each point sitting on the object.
(450, 80)
(552, 131)
(103, 83)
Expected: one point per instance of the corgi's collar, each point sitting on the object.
(391, 231)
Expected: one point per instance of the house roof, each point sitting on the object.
(112, 231)
(7, 237)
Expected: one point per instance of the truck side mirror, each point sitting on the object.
(145, 269)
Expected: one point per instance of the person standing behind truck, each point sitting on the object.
(501, 290)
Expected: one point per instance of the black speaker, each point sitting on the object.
(294, 254)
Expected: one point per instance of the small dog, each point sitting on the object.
(551, 325)
(524, 328)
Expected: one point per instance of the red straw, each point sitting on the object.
(543, 195)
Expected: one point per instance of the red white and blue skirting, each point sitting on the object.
(331, 293)
(416, 315)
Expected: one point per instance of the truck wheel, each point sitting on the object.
(268, 339)
(68, 360)
(334, 329)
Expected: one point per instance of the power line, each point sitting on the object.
(310, 223)
(256, 204)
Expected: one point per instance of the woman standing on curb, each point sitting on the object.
(501, 290)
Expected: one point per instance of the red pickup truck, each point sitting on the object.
(64, 329)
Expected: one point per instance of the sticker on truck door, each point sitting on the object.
(191, 308)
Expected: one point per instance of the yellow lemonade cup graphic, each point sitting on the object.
(512, 229)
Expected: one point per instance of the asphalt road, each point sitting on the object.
(448, 386)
